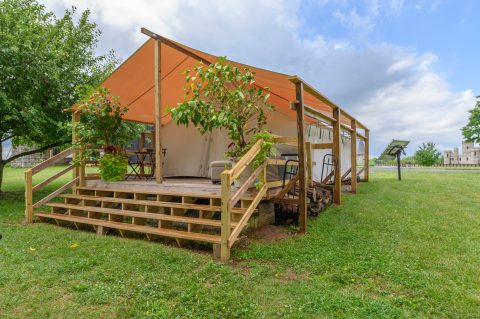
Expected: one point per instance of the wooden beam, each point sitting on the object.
(346, 127)
(52, 178)
(56, 193)
(248, 213)
(361, 136)
(353, 155)
(76, 153)
(337, 152)
(315, 112)
(246, 159)
(290, 140)
(367, 156)
(311, 90)
(302, 207)
(28, 197)
(241, 191)
(274, 161)
(344, 176)
(174, 45)
(52, 160)
(226, 216)
(287, 187)
(308, 148)
(158, 113)
(322, 146)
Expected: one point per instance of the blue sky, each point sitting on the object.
(449, 29)
(407, 68)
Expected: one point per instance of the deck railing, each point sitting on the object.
(228, 237)
(229, 200)
(77, 179)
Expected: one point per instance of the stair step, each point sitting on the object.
(151, 203)
(139, 190)
(134, 228)
(130, 213)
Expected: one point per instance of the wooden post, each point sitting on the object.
(158, 112)
(309, 164)
(302, 201)
(367, 157)
(353, 156)
(28, 197)
(337, 196)
(77, 170)
(226, 216)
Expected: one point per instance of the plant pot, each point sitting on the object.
(113, 167)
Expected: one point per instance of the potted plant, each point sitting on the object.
(221, 95)
(101, 127)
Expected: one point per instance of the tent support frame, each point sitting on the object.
(158, 112)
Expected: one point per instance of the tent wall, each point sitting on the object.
(188, 153)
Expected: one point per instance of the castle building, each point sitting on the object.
(470, 155)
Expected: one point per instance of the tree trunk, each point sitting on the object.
(1, 165)
(1, 174)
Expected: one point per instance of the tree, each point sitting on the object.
(471, 132)
(220, 95)
(43, 59)
(427, 154)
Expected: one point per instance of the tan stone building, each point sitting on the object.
(470, 155)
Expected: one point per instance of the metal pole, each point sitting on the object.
(398, 164)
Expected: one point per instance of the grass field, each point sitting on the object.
(408, 249)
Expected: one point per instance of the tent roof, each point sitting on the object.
(134, 82)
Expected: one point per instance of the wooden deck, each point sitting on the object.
(193, 187)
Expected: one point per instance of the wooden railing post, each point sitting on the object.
(28, 197)
(158, 112)
(226, 216)
(337, 151)
(308, 147)
(302, 192)
(367, 156)
(81, 180)
(353, 156)
(75, 119)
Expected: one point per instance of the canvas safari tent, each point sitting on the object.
(306, 123)
(187, 152)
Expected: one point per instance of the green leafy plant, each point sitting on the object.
(471, 131)
(42, 57)
(267, 148)
(101, 127)
(221, 95)
(427, 154)
(113, 167)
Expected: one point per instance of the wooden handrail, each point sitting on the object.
(30, 189)
(241, 224)
(52, 160)
(235, 198)
(289, 140)
(246, 159)
(56, 193)
(52, 178)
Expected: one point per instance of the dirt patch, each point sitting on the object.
(270, 233)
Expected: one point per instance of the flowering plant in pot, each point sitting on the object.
(221, 96)
(101, 127)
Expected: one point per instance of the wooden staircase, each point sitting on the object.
(180, 216)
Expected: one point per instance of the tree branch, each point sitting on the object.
(7, 138)
(38, 150)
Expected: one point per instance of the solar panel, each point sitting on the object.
(391, 151)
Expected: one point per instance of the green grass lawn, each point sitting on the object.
(397, 249)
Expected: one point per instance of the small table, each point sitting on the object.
(145, 159)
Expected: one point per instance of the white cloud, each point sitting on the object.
(393, 90)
